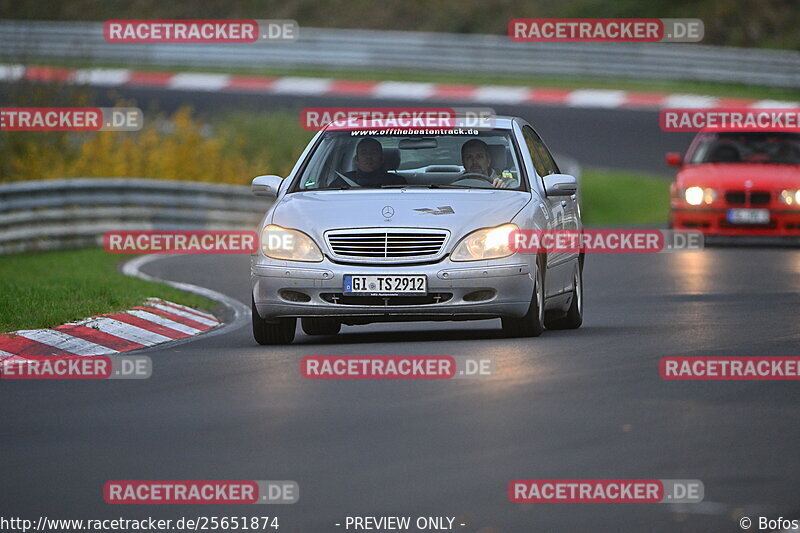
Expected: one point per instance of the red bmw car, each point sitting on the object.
(738, 184)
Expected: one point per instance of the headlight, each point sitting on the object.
(699, 195)
(289, 244)
(487, 243)
(790, 197)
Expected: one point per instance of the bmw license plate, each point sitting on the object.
(748, 216)
(356, 284)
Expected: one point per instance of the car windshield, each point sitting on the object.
(774, 148)
(343, 160)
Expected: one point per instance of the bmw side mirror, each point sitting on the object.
(674, 159)
(267, 185)
(560, 185)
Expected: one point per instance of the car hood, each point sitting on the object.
(734, 175)
(315, 212)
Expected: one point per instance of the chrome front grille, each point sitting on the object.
(386, 246)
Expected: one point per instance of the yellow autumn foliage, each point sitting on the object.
(178, 147)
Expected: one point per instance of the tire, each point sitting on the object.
(574, 317)
(269, 334)
(320, 326)
(532, 324)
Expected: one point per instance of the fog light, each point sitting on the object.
(294, 296)
(790, 196)
(479, 296)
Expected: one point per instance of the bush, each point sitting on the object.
(231, 149)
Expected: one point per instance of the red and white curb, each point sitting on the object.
(155, 322)
(478, 94)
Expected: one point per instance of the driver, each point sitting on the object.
(476, 160)
(369, 170)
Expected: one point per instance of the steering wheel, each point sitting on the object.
(473, 175)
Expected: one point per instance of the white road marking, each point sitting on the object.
(185, 308)
(185, 314)
(501, 94)
(11, 72)
(125, 331)
(198, 81)
(596, 98)
(102, 76)
(689, 101)
(5, 356)
(63, 341)
(776, 104)
(294, 85)
(161, 321)
(403, 89)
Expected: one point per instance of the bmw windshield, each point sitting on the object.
(756, 147)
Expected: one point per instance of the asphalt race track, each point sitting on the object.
(570, 404)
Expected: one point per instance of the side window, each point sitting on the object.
(542, 159)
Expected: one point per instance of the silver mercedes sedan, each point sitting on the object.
(381, 226)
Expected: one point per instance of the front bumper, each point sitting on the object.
(713, 221)
(457, 291)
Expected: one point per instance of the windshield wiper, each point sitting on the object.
(423, 186)
(406, 185)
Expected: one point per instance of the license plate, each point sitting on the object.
(748, 216)
(384, 285)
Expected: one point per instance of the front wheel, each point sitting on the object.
(532, 324)
(269, 334)
(574, 317)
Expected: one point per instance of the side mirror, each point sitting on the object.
(267, 185)
(560, 185)
(674, 159)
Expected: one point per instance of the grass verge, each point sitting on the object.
(618, 198)
(46, 289)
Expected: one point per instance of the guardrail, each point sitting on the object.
(335, 49)
(67, 213)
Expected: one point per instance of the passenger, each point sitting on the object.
(369, 170)
(787, 154)
(476, 159)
